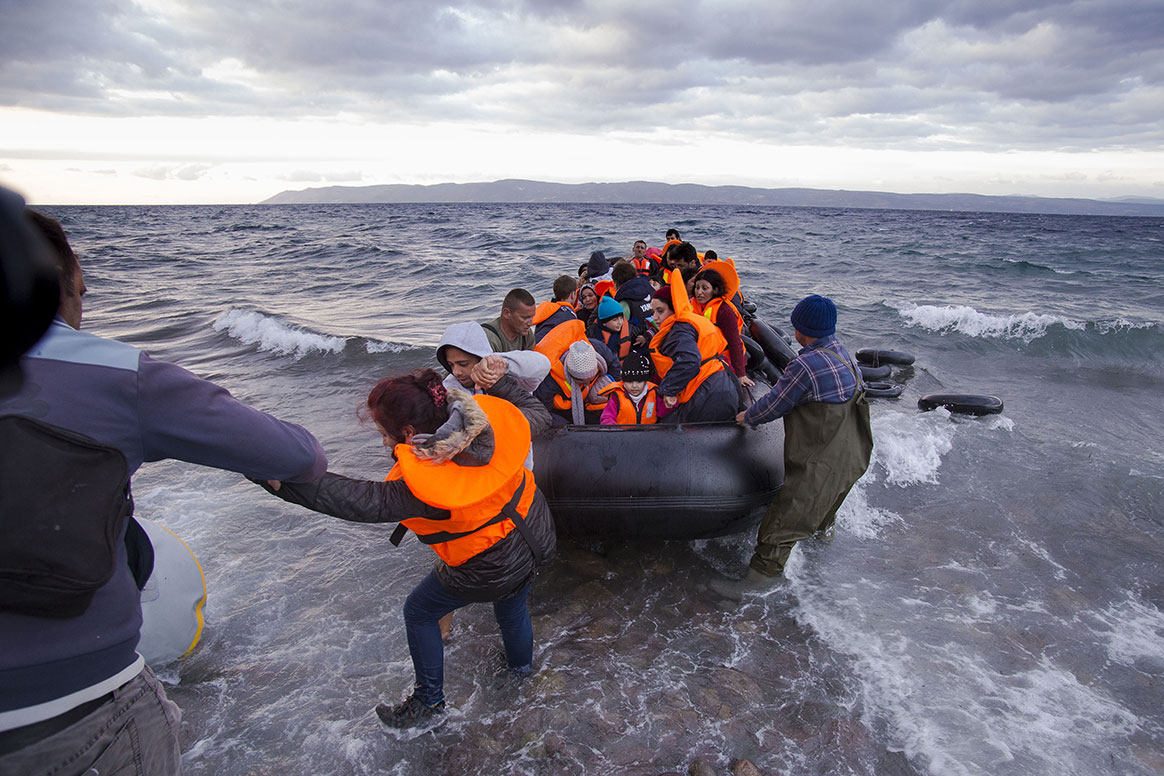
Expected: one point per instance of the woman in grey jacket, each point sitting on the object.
(461, 485)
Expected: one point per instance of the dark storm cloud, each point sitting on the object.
(966, 73)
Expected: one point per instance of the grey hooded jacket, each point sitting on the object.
(527, 367)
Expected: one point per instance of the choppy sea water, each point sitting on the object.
(993, 602)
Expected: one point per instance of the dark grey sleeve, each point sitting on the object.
(191, 419)
(682, 347)
(360, 501)
(535, 412)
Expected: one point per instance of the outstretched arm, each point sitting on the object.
(360, 501)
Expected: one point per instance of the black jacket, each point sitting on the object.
(495, 573)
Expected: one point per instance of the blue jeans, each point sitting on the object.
(134, 733)
(428, 603)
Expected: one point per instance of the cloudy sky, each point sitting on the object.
(218, 101)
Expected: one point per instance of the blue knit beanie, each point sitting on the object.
(607, 309)
(815, 316)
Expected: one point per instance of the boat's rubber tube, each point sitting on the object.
(877, 357)
(691, 481)
(172, 599)
(874, 372)
(883, 390)
(772, 340)
(964, 403)
(758, 360)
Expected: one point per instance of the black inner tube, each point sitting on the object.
(964, 403)
(883, 390)
(874, 372)
(877, 357)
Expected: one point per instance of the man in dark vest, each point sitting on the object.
(827, 443)
(75, 696)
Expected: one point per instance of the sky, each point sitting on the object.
(229, 101)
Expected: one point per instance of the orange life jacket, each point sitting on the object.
(553, 346)
(666, 247)
(546, 309)
(709, 339)
(478, 497)
(619, 341)
(604, 287)
(731, 279)
(643, 265)
(711, 310)
(628, 413)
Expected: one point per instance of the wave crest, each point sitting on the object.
(275, 336)
(967, 320)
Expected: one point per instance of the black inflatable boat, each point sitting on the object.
(685, 481)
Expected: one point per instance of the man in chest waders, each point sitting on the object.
(827, 443)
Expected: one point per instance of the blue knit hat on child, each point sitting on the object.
(607, 309)
(815, 316)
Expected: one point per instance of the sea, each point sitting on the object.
(992, 603)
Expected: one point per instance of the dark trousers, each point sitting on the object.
(423, 609)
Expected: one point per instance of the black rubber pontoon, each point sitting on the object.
(689, 481)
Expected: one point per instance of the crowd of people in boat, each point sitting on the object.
(654, 337)
(80, 413)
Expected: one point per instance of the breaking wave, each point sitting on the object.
(273, 335)
(1027, 327)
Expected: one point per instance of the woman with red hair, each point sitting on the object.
(460, 484)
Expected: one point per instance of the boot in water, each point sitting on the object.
(753, 583)
(411, 713)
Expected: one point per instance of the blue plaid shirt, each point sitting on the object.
(812, 376)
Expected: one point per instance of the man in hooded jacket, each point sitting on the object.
(465, 353)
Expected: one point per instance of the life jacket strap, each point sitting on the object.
(509, 511)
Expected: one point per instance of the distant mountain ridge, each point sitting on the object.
(645, 192)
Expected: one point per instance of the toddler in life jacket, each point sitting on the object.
(634, 399)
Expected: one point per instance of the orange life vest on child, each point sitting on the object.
(619, 341)
(604, 287)
(709, 340)
(553, 346)
(478, 497)
(628, 413)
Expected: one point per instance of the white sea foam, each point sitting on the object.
(951, 707)
(907, 450)
(1136, 631)
(373, 346)
(1122, 325)
(275, 336)
(909, 447)
(966, 320)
